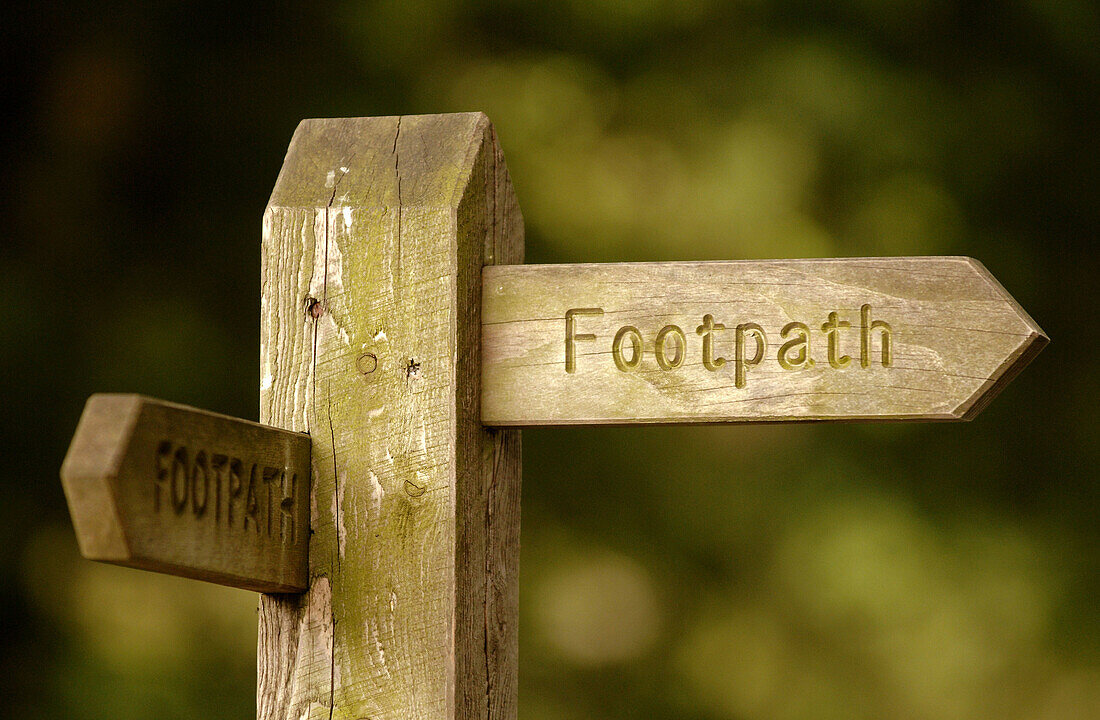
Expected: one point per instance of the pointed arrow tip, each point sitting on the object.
(1016, 361)
(93, 460)
(983, 272)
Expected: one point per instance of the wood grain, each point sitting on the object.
(373, 245)
(785, 340)
(160, 486)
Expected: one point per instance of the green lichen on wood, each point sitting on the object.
(386, 223)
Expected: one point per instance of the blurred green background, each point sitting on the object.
(787, 572)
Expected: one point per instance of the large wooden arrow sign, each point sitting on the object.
(160, 486)
(922, 338)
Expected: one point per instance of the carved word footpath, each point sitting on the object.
(670, 345)
(164, 487)
(235, 494)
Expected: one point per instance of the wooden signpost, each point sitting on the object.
(400, 331)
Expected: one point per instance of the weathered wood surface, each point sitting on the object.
(373, 244)
(748, 341)
(160, 486)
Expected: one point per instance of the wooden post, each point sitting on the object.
(373, 244)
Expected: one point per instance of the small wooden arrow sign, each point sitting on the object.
(922, 338)
(164, 487)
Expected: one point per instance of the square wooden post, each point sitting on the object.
(373, 244)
